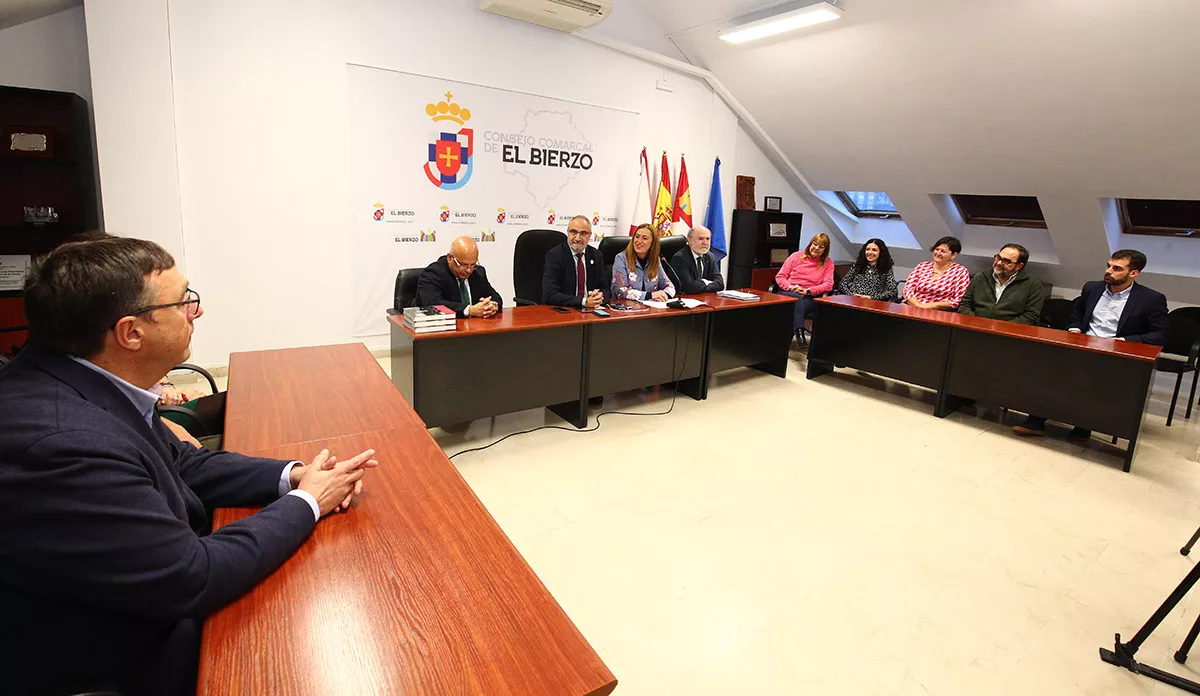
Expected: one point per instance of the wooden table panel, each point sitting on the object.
(415, 591)
(1040, 334)
(277, 397)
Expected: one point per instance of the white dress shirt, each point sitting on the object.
(145, 401)
(1107, 314)
(1001, 286)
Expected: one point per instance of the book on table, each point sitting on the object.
(430, 319)
(739, 295)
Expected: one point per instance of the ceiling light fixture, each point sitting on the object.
(779, 23)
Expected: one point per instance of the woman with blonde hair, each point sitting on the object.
(806, 274)
(637, 274)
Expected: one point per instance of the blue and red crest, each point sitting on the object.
(451, 160)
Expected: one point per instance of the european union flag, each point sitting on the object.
(714, 219)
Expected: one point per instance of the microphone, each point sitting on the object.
(675, 302)
(670, 274)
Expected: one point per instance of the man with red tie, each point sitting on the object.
(573, 274)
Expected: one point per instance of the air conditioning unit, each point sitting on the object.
(563, 15)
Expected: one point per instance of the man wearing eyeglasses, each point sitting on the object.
(1006, 293)
(109, 565)
(573, 274)
(458, 282)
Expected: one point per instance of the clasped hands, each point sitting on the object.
(334, 484)
(798, 289)
(593, 299)
(484, 308)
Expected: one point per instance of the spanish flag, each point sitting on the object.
(662, 206)
(683, 196)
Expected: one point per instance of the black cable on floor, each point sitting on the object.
(682, 368)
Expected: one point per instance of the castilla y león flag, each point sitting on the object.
(683, 196)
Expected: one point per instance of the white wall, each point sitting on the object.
(769, 181)
(256, 99)
(49, 53)
(130, 59)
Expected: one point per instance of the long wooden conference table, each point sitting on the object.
(533, 356)
(415, 591)
(1096, 383)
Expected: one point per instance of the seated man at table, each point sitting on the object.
(1006, 293)
(573, 274)
(457, 281)
(109, 563)
(1116, 307)
(697, 268)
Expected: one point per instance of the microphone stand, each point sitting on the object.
(1122, 653)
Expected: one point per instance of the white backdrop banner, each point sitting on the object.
(437, 159)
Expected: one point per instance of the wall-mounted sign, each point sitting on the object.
(12, 272)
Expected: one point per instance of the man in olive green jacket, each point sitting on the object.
(1007, 293)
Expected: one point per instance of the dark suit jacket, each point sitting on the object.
(558, 276)
(685, 267)
(437, 285)
(1143, 321)
(107, 566)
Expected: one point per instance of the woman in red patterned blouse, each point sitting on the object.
(940, 283)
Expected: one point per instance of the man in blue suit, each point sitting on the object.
(1116, 307)
(107, 562)
(573, 276)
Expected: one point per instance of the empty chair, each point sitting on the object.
(202, 417)
(406, 288)
(1056, 313)
(609, 248)
(1181, 354)
(529, 258)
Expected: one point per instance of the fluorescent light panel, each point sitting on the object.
(788, 21)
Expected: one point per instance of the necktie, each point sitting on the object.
(580, 276)
(462, 291)
(699, 268)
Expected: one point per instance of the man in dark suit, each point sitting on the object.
(109, 567)
(573, 275)
(698, 270)
(457, 281)
(1116, 307)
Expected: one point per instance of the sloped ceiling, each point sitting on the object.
(1068, 100)
(13, 12)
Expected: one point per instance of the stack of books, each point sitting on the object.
(739, 295)
(430, 319)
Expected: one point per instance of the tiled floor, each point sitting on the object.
(833, 537)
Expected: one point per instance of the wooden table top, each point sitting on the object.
(416, 590)
(719, 303)
(543, 316)
(1040, 334)
(278, 397)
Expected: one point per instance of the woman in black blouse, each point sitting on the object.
(871, 275)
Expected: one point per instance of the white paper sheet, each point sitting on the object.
(687, 301)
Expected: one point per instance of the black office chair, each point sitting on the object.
(1056, 313)
(609, 248)
(1182, 353)
(406, 288)
(670, 245)
(529, 259)
(203, 418)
